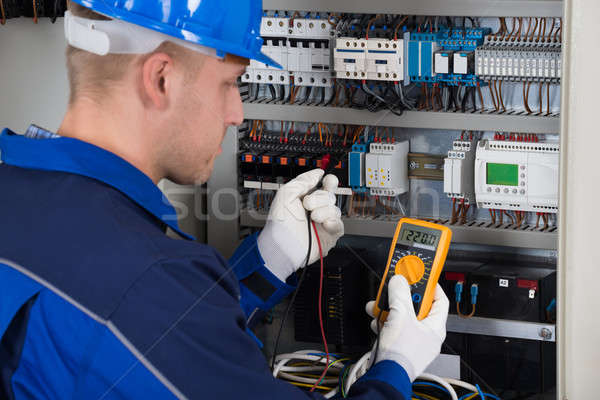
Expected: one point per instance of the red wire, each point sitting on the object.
(321, 309)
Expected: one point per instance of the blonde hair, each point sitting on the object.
(94, 75)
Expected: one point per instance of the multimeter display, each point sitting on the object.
(413, 235)
(418, 252)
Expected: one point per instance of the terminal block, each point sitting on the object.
(519, 61)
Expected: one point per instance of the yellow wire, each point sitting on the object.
(304, 375)
(472, 396)
(426, 396)
(320, 133)
(337, 361)
(310, 386)
(301, 364)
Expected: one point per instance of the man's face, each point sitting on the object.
(205, 106)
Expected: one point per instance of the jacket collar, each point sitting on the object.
(43, 150)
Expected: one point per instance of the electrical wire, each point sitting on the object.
(35, 12)
(421, 396)
(3, 19)
(493, 97)
(398, 25)
(464, 385)
(500, 96)
(460, 314)
(441, 382)
(480, 97)
(512, 219)
(289, 306)
(313, 387)
(526, 96)
(321, 304)
(534, 29)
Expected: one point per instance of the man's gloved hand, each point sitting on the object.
(283, 243)
(411, 343)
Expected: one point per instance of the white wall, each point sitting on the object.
(33, 80)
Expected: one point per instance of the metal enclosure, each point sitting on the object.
(576, 328)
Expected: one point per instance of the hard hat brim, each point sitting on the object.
(102, 7)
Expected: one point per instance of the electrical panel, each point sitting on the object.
(448, 119)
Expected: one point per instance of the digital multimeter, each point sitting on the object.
(418, 252)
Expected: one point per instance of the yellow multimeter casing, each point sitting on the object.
(418, 252)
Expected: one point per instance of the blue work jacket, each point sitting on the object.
(97, 302)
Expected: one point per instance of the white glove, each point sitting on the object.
(411, 343)
(283, 243)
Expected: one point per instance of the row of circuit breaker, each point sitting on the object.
(379, 169)
(504, 174)
(463, 57)
(453, 56)
(301, 46)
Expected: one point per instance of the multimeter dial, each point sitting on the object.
(397, 266)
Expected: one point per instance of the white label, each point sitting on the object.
(531, 293)
(503, 282)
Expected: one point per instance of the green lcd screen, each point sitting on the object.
(502, 174)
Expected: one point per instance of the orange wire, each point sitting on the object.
(371, 23)
(534, 29)
(398, 27)
(3, 20)
(35, 16)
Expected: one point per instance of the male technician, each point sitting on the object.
(96, 301)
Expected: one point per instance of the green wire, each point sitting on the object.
(343, 379)
(329, 366)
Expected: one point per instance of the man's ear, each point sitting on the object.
(157, 80)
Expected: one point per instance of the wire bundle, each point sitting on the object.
(445, 386)
(310, 369)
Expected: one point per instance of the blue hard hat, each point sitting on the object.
(229, 27)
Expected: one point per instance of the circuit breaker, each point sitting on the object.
(458, 170)
(350, 58)
(387, 169)
(384, 60)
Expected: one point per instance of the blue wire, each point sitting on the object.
(416, 396)
(430, 384)
(486, 396)
(323, 354)
(490, 396)
(480, 392)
